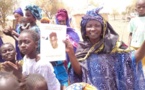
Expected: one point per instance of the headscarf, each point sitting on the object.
(108, 43)
(81, 86)
(19, 11)
(62, 14)
(35, 10)
(45, 20)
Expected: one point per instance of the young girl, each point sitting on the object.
(32, 63)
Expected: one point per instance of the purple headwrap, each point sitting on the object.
(19, 11)
(107, 42)
(61, 14)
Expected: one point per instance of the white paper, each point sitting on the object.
(51, 45)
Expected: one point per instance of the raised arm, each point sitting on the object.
(140, 53)
(74, 62)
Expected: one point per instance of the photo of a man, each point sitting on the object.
(53, 40)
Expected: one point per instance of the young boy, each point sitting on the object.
(36, 82)
(8, 53)
(8, 81)
(137, 27)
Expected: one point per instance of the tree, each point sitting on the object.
(50, 7)
(114, 13)
(6, 8)
(131, 8)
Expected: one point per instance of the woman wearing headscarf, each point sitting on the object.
(60, 68)
(18, 14)
(101, 60)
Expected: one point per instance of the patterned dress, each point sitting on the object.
(117, 71)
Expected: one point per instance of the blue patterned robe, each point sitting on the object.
(117, 71)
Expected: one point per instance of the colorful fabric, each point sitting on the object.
(80, 86)
(45, 20)
(35, 10)
(18, 55)
(1, 42)
(19, 11)
(62, 13)
(117, 71)
(105, 64)
(60, 72)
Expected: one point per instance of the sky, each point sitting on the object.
(80, 4)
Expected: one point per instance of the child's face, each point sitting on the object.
(26, 43)
(30, 18)
(140, 7)
(8, 52)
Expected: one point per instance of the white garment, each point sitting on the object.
(44, 68)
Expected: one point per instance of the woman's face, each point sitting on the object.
(94, 30)
(26, 43)
(30, 18)
(17, 17)
(8, 52)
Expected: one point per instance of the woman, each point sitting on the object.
(32, 13)
(101, 61)
(59, 66)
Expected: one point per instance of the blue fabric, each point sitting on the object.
(60, 70)
(61, 73)
(19, 11)
(1, 42)
(19, 56)
(35, 10)
(111, 72)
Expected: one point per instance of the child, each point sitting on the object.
(32, 63)
(8, 53)
(36, 82)
(137, 27)
(8, 81)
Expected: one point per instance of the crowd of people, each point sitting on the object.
(99, 62)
